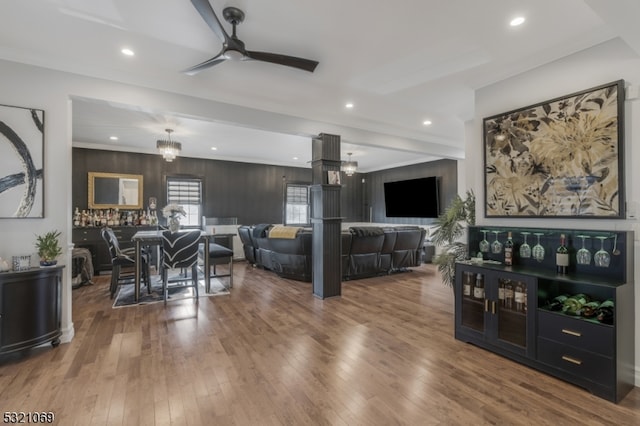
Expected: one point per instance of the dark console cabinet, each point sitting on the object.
(30, 308)
(597, 356)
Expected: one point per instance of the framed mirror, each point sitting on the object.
(115, 190)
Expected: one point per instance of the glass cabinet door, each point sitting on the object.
(512, 311)
(473, 301)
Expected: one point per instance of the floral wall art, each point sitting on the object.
(21, 162)
(559, 158)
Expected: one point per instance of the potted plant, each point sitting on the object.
(451, 226)
(48, 248)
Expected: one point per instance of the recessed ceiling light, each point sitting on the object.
(113, 138)
(213, 148)
(128, 52)
(517, 21)
(295, 158)
(349, 105)
(427, 122)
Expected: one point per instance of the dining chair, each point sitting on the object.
(122, 263)
(180, 251)
(220, 253)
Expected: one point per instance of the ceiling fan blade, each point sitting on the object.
(206, 64)
(290, 61)
(206, 11)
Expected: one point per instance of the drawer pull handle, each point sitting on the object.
(571, 332)
(486, 305)
(571, 360)
(493, 307)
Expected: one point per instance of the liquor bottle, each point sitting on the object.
(557, 302)
(562, 257)
(76, 217)
(508, 295)
(468, 283)
(605, 312)
(508, 250)
(519, 296)
(501, 284)
(478, 290)
(573, 304)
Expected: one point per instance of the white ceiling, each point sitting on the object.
(399, 62)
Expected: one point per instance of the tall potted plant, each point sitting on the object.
(451, 226)
(48, 248)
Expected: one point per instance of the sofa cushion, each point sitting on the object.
(366, 231)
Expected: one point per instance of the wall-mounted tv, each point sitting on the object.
(412, 198)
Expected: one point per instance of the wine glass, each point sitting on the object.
(525, 249)
(538, 250)
(583, 257)
(484, 244)
(496, 246)
(602, 257)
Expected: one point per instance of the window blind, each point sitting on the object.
(184, 191)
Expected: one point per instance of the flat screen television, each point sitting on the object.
(412, 198)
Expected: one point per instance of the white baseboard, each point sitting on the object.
(67, 334)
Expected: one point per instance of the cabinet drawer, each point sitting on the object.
(582, 364)
(592, 337)
(82, 235)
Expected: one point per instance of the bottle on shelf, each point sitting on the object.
(468, 284)
(562, 257)
(589, 309)
(76, 217)
(573, 304)
(508, 250)
(605, 313)
(520, 296)
(557, 302)
(478, 290)
(501, 284)
(508, 294)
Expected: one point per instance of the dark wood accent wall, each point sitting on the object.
(251, 192)
(373, 204)
(254, 193)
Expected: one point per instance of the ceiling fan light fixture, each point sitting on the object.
(168, 149)
(349, 167)
(233, 55)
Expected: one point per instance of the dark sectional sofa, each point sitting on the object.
(366, 251)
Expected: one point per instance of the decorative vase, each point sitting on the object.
(174, 224)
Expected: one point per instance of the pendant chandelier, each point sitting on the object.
(349, 167)
(168, 148)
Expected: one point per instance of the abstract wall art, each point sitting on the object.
(21, 162)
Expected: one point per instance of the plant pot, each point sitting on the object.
(45, 263)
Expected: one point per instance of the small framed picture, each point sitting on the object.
(333, 177)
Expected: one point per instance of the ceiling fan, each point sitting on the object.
(233, 47)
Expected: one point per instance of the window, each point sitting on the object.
(297, 205)
(186, 193)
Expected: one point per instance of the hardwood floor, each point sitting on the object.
(270, 353)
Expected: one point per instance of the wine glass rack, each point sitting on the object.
(550, 239)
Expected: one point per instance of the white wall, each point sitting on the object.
(602, 64)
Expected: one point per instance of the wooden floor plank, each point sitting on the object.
(271, 353)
